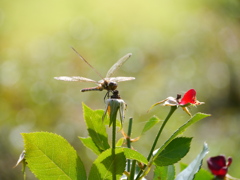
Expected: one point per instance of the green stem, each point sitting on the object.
(129, 142)
(114, 106)
(173, 108)
(114, 147)
(132, 173)
(23, 170)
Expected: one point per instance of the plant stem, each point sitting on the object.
(113, 107)
(23, 170)
(129, 141)
(173, 108)
(113, 147)
(132, 173)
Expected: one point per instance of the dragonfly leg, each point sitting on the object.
(106, 95)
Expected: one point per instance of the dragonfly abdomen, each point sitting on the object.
(92, 89)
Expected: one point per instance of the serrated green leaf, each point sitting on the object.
(202, 173)
(189, 172)
(197, 117)
(164, 173)
(106, 120)
(96, 128)
(88, 142)
(104, 166)
(131, 154)
(151, 122)
(49, 156)
(173, 152)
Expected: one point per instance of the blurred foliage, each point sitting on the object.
(176, 45)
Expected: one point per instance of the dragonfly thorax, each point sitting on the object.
(109, 85)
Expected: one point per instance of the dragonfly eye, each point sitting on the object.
(112, 85)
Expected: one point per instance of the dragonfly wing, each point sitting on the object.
(79, 55)
(118, 64)
(119, 79)
(74, 78)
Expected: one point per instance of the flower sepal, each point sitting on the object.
(170, 101)
(113, 105)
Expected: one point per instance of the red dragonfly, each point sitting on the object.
(108, 83)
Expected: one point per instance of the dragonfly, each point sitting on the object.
(108, 83)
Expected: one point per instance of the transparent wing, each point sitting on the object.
(119, 79)
(118, 64)
(74, 78)
(79, 55)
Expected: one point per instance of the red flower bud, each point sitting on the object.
(189, 98)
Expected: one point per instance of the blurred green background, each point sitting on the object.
(176, 45)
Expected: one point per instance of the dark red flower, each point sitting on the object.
(219, 166)
(189, 98)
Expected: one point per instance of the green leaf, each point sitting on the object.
(103, 168)
(120, 142)
(96, 128)
(151, 122)
(107, 121)
(88, 142)
(50, 156)
(197, 117)
(131, 154)
(164, 173)
(174, 152)
(202, 173)
(194, 166)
